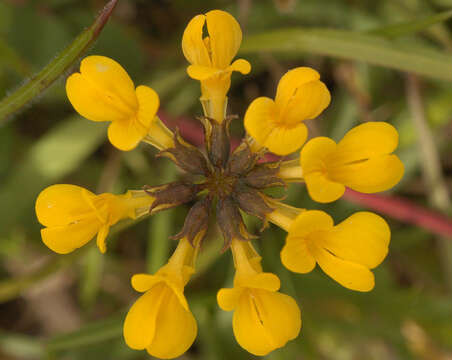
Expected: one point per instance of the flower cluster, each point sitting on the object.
(232, 182)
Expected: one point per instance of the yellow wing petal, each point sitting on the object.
(61, 204)
(362, 238)
(64, 239)
(176, 330)
(376, 174)
(351, 275)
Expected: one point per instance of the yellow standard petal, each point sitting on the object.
(278, 125)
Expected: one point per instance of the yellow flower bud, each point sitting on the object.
(160, 321)
(72, 215)
(362, 161)
(211, 57)
(103, 91)
(345, 252)
(278, 124)
(264, 319)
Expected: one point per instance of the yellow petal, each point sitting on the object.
(349, 274)
(286, 140)
(101, 236)
(141, 320)
(307, 103)
(291, 81)
(143, 282)
(126, 135)
(241, 65)
(102, 91)
(148, 102)
(296, 257)
(225, 37)
(193, 46)
(308, 222)
(199, 72)
(228, 299)
(313, 161)
(322, 189)
(266, 281)
(176, 330)
(362, 238)
(67, 238)
(366, 141)
(62, 204)
(265, 321)
(376, 174)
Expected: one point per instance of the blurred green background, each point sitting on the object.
(72, 307)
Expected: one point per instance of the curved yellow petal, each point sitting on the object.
(126, 135)
(322, 189)
(296, 257)
(143, 282)
(148, 104)
(286, 140)
(349, 274)
(199, 72)
(260, 118)
(291, 81)
(193, 46)
(265, 281)
(308, 222)
(102, 91)
(228, 299)
(376, 174)
(67, 238)
(265, 321)
(61, 204)
(101, 237)
(225, 37)
(176, 330)
(307, 103)
(314, 162)
(141, 320)
(362, 238)
(365, 141)
(241, 65)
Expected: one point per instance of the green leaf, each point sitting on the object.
(411, 27)
(56, 67)
(344, 44)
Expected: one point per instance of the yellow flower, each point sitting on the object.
(264, 319)
(211, 57)
(278, 125)
(103, 91)
(72, 215)
(160, 321)
(345, 252)
(362, 161)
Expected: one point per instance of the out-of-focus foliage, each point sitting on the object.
(72, 307)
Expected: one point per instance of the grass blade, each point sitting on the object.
(345, 44)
